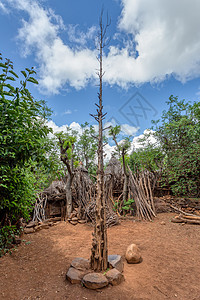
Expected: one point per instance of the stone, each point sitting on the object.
(31, 224)
(74, 219)
(44, 226)
(74, 275)
(115, 261)
(114, 277)
(73, 222)
(162, 223)
(94, 281)
(133, 254)
(29, 230)
(73, 214)
(38, 227)
(80, 263)
(82, 221)
(46, 221)
(50, 223)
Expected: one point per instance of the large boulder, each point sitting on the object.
(115, 261)
(80, 263)
(94, 281)
(114, 277)
(133, 254)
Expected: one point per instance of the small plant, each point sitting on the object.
(7, 237)
(106, 271)
(128, 205)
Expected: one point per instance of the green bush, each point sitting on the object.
(25, 150)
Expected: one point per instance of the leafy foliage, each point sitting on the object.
(86, 147)
(148, 158)
(24, 145)
(178, 133)
(128, 205)
(7, 236)
(124, 145)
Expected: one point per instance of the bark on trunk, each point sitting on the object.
(99, 251)
(69, 206)
(126, 179)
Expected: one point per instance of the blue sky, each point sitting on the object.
(154, 52)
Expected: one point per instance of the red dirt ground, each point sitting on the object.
(170, 267)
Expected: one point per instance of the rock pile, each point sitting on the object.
(78, 269)
(79, 272)
(75, 218)
(34, 226)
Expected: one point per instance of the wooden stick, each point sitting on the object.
(181, 211)
(181, 220)
(190, 217)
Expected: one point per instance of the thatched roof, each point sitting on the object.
(114, 167)
(56, 187)
(114, 173)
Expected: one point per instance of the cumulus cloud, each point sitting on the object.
(151, 140)
(160, 39)
(128, 129)
(58, 63)
(166, 39)
(74, 126)
(79, 37)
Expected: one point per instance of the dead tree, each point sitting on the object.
(99, 251)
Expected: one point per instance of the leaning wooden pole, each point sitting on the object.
(99, 251)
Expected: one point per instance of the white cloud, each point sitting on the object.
(56, 128)
(58, 63)
(151, 140)
(160, 39)
(80, 37)
(108, 150)
(128, 129)
(3, 8)
(166, 38)
(67, 112)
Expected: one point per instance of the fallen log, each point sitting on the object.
(182, 212)
(190, 217)
(186, 221)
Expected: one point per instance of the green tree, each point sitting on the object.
(178, 133)
(86, 147)
(66, 142)
(23, 142)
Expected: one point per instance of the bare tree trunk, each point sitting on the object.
(126, 179)
(69, 207)
(70, 175)
(99, 251)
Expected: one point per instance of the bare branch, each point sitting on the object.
(107, 128)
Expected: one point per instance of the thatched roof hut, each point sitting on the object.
(114, 178)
